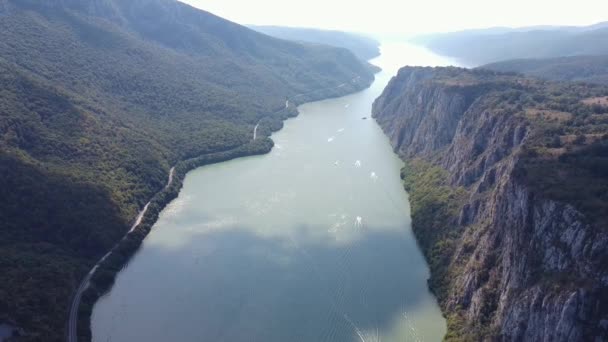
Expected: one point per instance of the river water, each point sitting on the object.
(311, 242)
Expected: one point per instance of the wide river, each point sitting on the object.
(311, 242)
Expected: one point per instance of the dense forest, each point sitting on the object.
(591, 69)
(362, 46)
(98, 99)
(478, 47)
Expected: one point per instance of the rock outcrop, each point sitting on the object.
(524, 266)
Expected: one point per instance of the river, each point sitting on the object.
(311, 242)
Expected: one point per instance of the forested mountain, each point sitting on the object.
(477, 47)
(362, 46)
(98, 99)
(591, 69)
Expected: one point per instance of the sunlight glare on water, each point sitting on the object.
(311, 242)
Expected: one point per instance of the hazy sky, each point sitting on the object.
(406, 16)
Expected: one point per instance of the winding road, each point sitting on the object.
(255, 130)
(84, 284)
(72, 335)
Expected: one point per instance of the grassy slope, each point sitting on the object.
(98, 98)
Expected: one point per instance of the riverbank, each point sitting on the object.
(101, 278)
(435, 208)
(311, 241)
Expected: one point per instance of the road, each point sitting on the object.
(84, 284)
(170, 180)
(255, 130)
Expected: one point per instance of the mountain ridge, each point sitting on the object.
(478, 47)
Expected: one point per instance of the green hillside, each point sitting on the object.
(98, 99)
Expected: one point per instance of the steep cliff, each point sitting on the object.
(513, 226)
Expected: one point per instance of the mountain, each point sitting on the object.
(363, 47)
(504, 29)
(591, 69)
(477, 47)
(98, 100)
(508, 184)
(603, 24)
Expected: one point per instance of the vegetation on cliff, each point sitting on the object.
(567, 145)
(435, 206)
(507, 181)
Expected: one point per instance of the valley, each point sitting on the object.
(310, 242)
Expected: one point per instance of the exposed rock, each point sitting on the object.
(537, 271)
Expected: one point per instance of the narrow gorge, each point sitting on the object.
(512, 256)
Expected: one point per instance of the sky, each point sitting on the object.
(406, 16)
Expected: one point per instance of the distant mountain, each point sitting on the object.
(603, 24)
(591, 69)
(362, 46)
(98, 99)
(427, 39)
(477, 47)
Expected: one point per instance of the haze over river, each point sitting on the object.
(311, 242)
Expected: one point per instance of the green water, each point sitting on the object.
(311, 242)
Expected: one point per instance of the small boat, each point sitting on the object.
(364, 118)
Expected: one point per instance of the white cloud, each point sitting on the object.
(406, 16)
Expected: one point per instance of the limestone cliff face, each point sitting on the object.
(529, 267)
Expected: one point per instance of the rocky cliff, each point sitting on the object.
(509, 261)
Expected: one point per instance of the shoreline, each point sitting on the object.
(100, 279)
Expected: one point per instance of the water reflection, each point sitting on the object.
(289, 246)
(231, 284)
